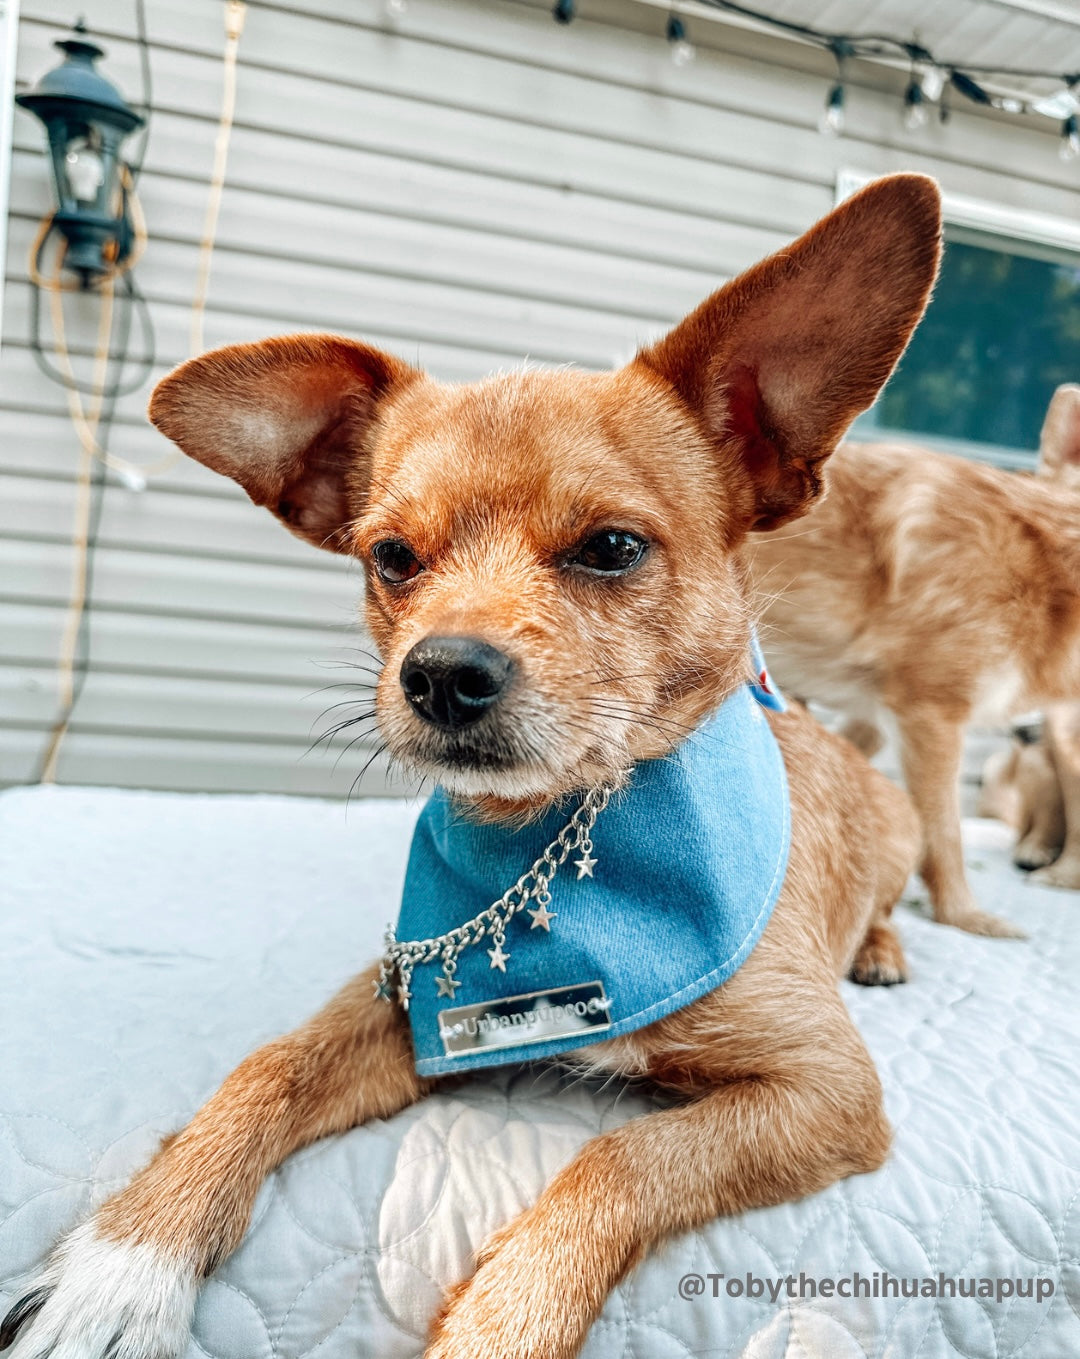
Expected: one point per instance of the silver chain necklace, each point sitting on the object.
(402, 956)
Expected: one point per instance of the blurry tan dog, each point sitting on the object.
(1035, 785)
(940, 591)
(491, 511)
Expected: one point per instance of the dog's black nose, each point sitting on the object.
(453, 681)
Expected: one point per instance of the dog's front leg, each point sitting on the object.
(1063, 744)
(796, 1122)
(123, 1284)
(931, 749)
(1042, 820)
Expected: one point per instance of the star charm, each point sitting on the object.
(498, 957)
(404, 995)
(382, 989)
(446, 985)
(585, 866)
(542, 917)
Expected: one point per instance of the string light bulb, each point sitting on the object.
(932, 81)
(915, 110)
(682, 49)
(833, 119)
(932, 85)
(1069, 147)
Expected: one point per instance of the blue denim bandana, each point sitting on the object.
(689, 861)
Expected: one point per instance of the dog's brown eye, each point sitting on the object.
(610, 552)
(395, 562)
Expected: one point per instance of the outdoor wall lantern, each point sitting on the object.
(87, 119)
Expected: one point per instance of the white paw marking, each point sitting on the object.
(107, 1293)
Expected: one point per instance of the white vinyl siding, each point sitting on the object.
(9, 32)
(468, 185)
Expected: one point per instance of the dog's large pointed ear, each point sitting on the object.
(290, 419)
(1059, 442)
(776, 364)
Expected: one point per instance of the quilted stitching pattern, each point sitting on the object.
(152, 939)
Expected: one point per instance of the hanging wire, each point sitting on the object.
(126, 381)
(235, 14)
(93, 420)
(144, 363)
(146, 104)
(960, 76)
(133, 296)
(878, 44)
(73, 660)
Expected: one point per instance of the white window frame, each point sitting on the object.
(9, 29)
(1020, 225)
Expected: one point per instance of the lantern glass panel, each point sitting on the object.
(85, 168)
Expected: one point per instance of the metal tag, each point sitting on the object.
(536, 1017)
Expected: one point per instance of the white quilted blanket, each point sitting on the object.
(150, 940)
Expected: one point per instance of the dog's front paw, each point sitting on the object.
(102, 1299)
(523, 1302)
(879, 960)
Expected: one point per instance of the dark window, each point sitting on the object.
(1002, 331)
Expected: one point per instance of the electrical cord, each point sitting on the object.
(94, 427)
(880, 44)
(134, 299)
(235, 14)
(146, 105)
(93, 423)
(133, 474)
(885, 47)
(66, 377)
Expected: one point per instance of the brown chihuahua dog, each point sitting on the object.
(939, 591)
(498, 512)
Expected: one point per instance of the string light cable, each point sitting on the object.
(931, 76)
